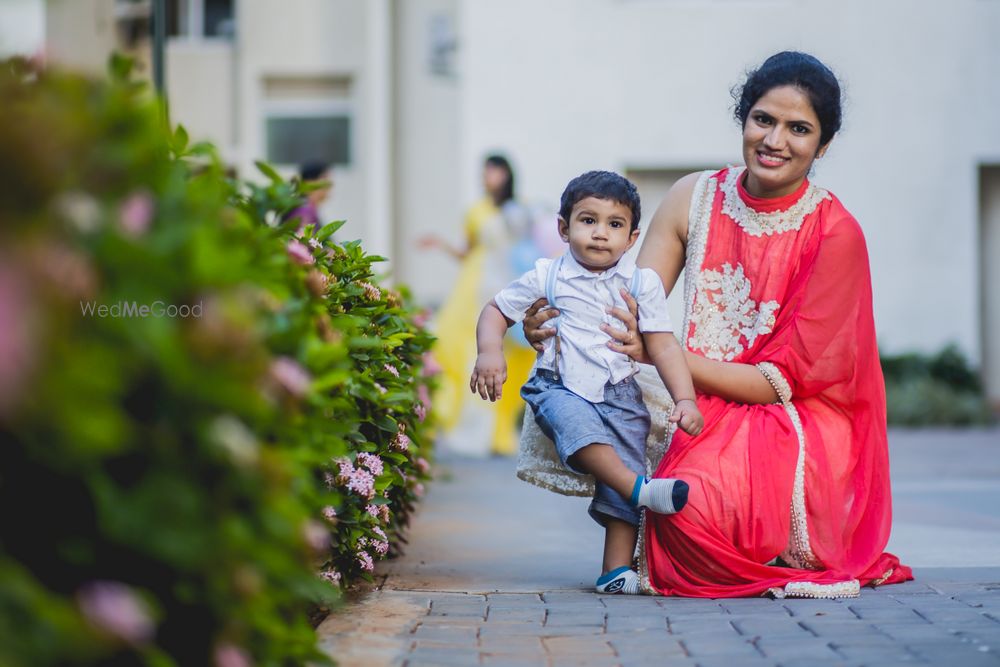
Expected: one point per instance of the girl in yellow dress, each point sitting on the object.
(494, 226)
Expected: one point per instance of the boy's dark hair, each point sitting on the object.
(603, 185)
(313, 170)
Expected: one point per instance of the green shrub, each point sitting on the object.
(170, 486)
(941, 389)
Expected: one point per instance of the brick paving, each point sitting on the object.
(499, 573)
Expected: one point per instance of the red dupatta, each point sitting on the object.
(783, 284)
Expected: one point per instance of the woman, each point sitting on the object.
(493, 227)
(789, 480)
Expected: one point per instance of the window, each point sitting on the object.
(201, 18)
(299, 139)
(308, 118)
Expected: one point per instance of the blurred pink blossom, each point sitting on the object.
(329, 480)
(365, 560)
(381, 545)
(418, 490)
(315, 244)
(344, 470)
(316, 535)
(228, 655)
(422, 465)
(421, 318)
(330, 575)
(381, 389)
(419, 408)
(383, 513)
(424, 395)
(17, 340)
(300, 253)
(372, 509)
(372, 293)
(329, 513)
(290, 376)
(136, 214)
(372, 462)
(392, 370)
(117, 609)
(431, 367)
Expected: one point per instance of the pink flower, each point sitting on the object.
(422, 465)
(381, 545)
(431, 367)
(227, 655)
(418, 490)
(372, 293)
(392, 370)
(421, 319)
(290, 376)
(329, 513)
(315, 244)
(135, 214)
(372, 462)
(381, 389)
(345, 470)
(330, 575)
(401, 442)
(316, 535)
(419, 408)
(372, 509)
(362, 483)
(365, 560)
(317, 282)
(329, 480)
(299, 253)
(424, 395)
(17, 337)
(115, 608)
(383, 513)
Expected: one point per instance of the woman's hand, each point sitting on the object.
(533, 321)
(628, 341)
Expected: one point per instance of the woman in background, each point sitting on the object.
(495, 227)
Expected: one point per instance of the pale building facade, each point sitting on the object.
(409, 95)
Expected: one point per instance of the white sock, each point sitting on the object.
(660, 495)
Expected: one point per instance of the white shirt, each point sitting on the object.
(582, 296)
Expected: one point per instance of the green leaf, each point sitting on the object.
(180, 140)
(269, 171)
(330, 229)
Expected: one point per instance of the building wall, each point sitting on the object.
(22, 27)
(570, 85)
(80, 33)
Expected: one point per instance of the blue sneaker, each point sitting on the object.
(623, 581)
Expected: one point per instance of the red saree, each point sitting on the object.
(783, 284)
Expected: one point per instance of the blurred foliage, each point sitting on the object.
(940, 389)
(183, 490)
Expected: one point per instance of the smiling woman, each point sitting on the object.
(788, 481)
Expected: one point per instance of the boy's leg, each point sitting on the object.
(619, 544)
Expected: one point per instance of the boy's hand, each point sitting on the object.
(489, 375)
(686, 416)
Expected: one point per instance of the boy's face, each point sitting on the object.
(598, 232)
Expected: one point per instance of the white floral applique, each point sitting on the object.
(756, 223)
(724, 315)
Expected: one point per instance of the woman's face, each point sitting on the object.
(780, 142)
(494, 179)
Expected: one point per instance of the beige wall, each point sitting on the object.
(200, 88)
(80, 33)
(428, 138)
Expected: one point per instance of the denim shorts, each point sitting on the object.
(572, 422)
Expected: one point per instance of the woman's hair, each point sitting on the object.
(507, 191)
(805, 72)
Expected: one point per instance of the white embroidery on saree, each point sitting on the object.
(724, 315)
(756, 223)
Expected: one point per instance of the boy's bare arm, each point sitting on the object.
(668, 357)
(490, 371)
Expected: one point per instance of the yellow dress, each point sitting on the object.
(484, 271)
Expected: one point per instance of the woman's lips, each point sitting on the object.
(768, 160)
